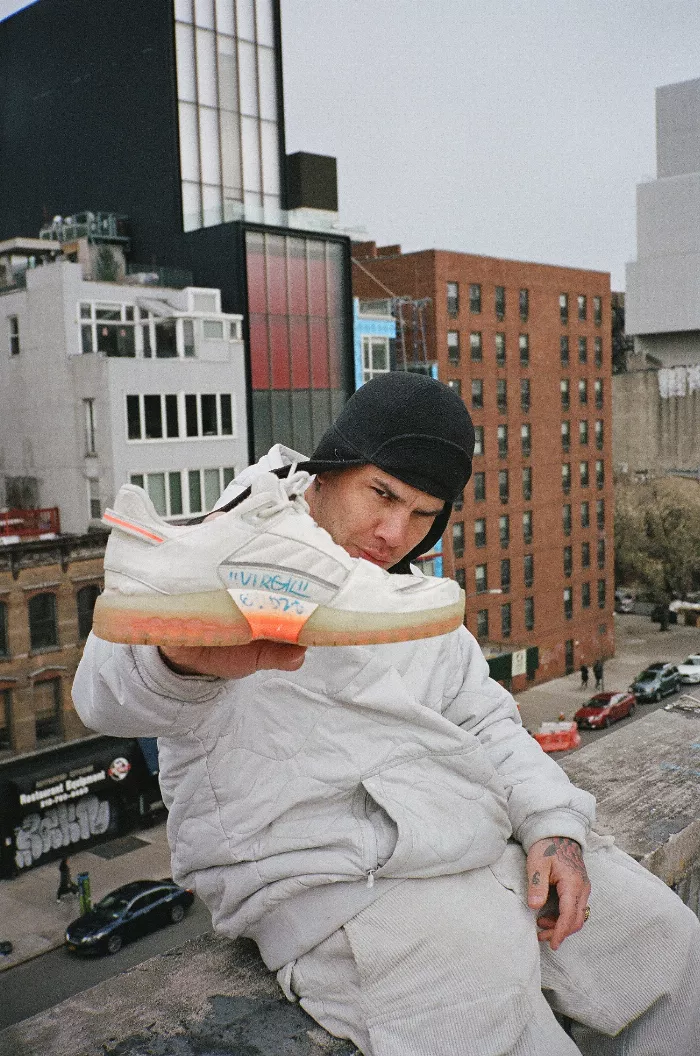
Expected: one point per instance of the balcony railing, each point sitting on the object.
(29, 524)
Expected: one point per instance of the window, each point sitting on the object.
(458, 539)
(505, 620)
(524, 346)
(47, 710)
(568, 560)
(475, 298)
(599, 435)
(597, 310)
(528, 570)
(94, 502)
(566, 518)
(505, 575)
(598, 351)
(568, 605)
(4, 646)
(583, 391)
(459, 502)
(173, 497)
(460, 577)
(585, 595)
(565, 436)
(527, 483)
(502, 437)
(480, 532)
(525, 395)
(43, 626)
(482, 624)
(526, 439)
(85, 600)
(502, 395)
(504, 529)
(527, 527)
(503, 485)
(89, 419)
(599, 473)
(564, 308)
(582, 307)
(582, 350)
(500, 341)
(566, 477)
(601, 593)
(477, 393)
(600, 514)
(375, 356)
(564, 350)
(565, 397)
(453, 352)
(585, 514)
(583, 432)
(110, 330)
(524, 305)
(452, 298)
(5, 720)
(569, 656)
(478, 439)
(585, 555)
(529, 614)
(456, 385)
(583, 472)
(13, 326)
(479, 487)
(475, 347)
(601, 553)
(500, 302)
(161, 417)
(598, 391)
(481, 579)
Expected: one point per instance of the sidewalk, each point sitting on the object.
(638, 642)
(34, 922)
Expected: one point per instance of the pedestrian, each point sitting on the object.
(584, 676)
(598, 674)
(375, 816)
(66, 886)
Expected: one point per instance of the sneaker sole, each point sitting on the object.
(214, 619)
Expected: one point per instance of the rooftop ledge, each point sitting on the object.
(213, 995)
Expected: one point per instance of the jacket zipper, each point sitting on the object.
(375, 856)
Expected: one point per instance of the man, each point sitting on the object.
(377, 819)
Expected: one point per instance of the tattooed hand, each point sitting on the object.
(558, 888)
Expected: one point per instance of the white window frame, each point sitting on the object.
(370, 344)
(181, 418)
(226, 475)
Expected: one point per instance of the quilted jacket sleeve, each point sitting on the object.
(127, 691)
(541, 800)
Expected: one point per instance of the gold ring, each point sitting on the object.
(586, 913)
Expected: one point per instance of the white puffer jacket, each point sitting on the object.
(289, 793)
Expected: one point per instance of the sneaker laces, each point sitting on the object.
(293, 487)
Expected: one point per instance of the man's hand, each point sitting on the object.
(558, 886)
(235, 661)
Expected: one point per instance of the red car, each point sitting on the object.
(604, 708)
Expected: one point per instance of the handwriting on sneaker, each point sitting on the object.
(273, 582)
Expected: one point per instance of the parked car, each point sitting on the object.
(604, 708)
(127, 913)
(624, 601)
(689, 670)
(656, 681)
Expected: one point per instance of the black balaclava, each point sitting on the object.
(412, 427)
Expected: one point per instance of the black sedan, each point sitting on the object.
(656, 681)
(127, 913)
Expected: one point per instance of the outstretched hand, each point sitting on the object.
(558, 888)
(235, 661)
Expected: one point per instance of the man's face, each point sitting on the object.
(372, 514)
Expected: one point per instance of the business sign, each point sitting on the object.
(518, 662)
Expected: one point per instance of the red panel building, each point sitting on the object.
(528, 347)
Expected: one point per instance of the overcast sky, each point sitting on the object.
(514, 128)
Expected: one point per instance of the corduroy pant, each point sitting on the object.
(451, 966)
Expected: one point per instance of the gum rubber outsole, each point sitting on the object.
(214, 619)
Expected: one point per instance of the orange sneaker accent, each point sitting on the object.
(276, 617)
(275, 626)
(135, 529)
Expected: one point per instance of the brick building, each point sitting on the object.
(528, 346)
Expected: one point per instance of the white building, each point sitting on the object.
(107, 382)
(662, 301)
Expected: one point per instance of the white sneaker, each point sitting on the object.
(263, 570)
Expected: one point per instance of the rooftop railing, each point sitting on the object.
(16, 525)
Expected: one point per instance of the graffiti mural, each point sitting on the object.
(60, 826)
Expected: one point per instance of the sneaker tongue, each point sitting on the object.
(268, 484)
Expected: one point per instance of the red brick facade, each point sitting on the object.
(521, 387)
